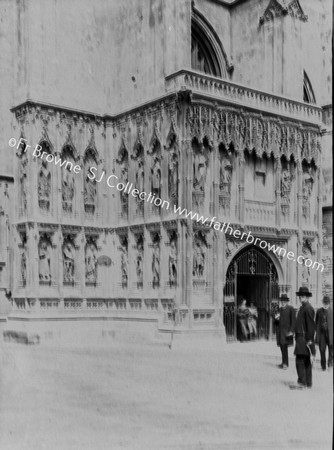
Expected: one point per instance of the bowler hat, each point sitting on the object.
(303, 291)
(326, 300)
(284, 298)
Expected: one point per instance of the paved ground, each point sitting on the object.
(144, 396)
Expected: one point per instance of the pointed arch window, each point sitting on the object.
(203, 58)
(309, 96)
(207, 52)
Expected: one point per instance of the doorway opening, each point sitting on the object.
(251, 276)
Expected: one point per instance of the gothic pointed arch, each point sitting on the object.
(207, 51)
(308, 94)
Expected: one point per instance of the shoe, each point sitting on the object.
(282, 366)
(297, 387)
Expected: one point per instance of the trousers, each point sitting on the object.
(304, 370)
(323, 344)
(285, 355)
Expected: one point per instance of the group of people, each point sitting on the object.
(308, 329)
(247, 320)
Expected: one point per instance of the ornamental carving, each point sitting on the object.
(44, 255)
(279, 8)
(172, 259)
(91, 260)
(155, 260)
(287, 178)
(139, 260)
(241, 130)
(138, 156)
(200, 170)
(199, 254)
(123, 162)
(68, 179)
(68, 259)
(90, 187)
(232, 246)
(307, 189)
(23, 261)
(23, 172)
(124, 260)
(173, 165)
(307, 254)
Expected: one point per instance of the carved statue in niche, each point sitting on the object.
(139, 261)
(44, 259)
(140, 183)
(68, 189)
(307, 187)
(124, 179)
(24, 263)
(156, 262)
(199, 256)
(286, 183)
(156, 177)
(307, 254)
(225, 174)
(173, 177)
(140, 175)
(90, 190)
(172, 260)
(23, 181)
(200, 172)
(124, 261)
(90, 262)
(44, 186)
(68, 261)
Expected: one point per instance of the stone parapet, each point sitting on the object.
(216, 89)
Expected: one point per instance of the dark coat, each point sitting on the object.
(318, 322)
(304, 329)
(285, 324)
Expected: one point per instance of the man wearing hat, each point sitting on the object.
(285, 325)
(324, 332)
(304, 334)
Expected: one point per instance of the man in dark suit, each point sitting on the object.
(285, 322)
(304, 334)
(324, 332)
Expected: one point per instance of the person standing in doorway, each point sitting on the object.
(243, 315)
(304, 334)
(252, 321)
(324, 332)
(285, 325)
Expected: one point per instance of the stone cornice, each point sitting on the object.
(217, 90)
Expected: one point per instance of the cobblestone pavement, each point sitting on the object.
(198, 395)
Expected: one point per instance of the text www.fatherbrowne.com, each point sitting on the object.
(152, 198)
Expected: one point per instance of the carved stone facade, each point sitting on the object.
(214, 166)
(165, 156)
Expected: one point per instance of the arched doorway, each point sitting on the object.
(251, 275)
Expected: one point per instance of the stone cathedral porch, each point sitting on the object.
(84, 250)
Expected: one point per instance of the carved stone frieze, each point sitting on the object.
(242, 130)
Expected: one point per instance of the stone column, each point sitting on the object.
(277, 175)
(147, 261)
(81, 241)
(215, 237)
(58, 239)
(241, 173)
(32, 260)
(299, 195)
